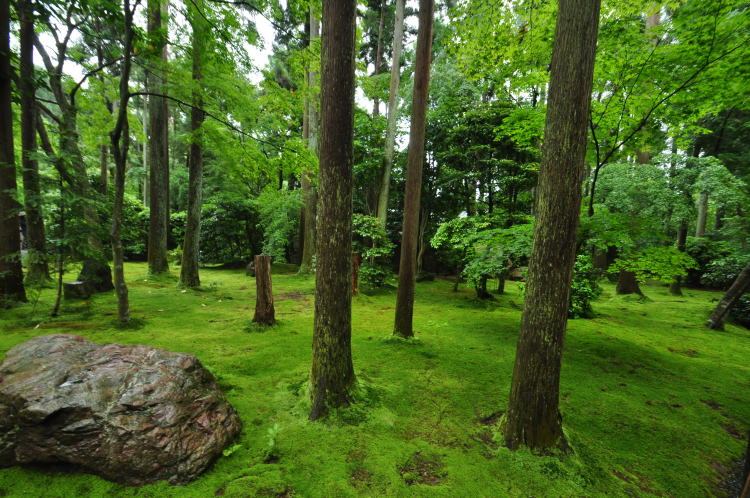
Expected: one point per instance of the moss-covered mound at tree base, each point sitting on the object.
(653, 403)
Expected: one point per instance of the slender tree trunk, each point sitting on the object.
(415, 161)
(740, 285)
(191, 246)
(309, 193)
(11, 273)
(390, 131)
(675, 288)
(501, 283)
(627, 283)
(264, 310)
(700, 229)
(481, 289)
(120, 145)
(533, 418)
(378, 56)
(356, 263)
(332, 376)
(37, 267)
(158, 158)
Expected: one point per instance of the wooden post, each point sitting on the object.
(356, 262)
(264, 311)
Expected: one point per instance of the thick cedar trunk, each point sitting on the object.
(309, 193)
(37, 266)
(120, 144)
(407, 266)
(191, 245)
(740, 285)
(11, 273)
(356, 263)
(390, 131)
(700, 228)
(627, 283)
(158, 157)
(533, 417)
(675, 288)
(332, 376)
(264, 310)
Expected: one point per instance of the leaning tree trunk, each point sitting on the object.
(332, 376)
(264, 310)
(191, 245)
(408, 261)
(11, 273)
(740, 285)
(120, 145)
(158, 157)
(533, 418)
(390, 130)
(627, 283)
(38, 269)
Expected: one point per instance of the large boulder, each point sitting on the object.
(131, 414)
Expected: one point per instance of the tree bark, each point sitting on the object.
(675, 288)
(390, 131)
(11, 273)
(38, 269)
(158, 157)
(332, 376)
(533, 418)
(415, 160)
(309, 194)
(740, 285)
(627, 283)
(264, 310)
(481, 289)
(700, 228)
(120, 145)
(189, 276)
(356, 263)
(378, 56)
(501, 283)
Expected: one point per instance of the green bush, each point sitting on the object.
(740, 312)
(584, 288)
(704, 251)
(720, 273)
(372, 242)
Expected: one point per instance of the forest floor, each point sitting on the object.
(653, 403)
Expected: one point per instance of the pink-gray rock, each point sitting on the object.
(131, 414)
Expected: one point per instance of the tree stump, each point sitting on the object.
(264, 311)
(356, 263)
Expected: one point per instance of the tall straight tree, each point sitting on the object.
(37, 266)
(11, 273)
(390, 130)
(190, 247)
(158, 149)
(407, 271)
(332, 377)
(533, 417)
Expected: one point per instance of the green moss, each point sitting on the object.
(650, 398)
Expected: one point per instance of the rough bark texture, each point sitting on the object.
(11, 273)
(627, 283)
(158, 156)
(740, 285)
(133, 414)
(191, 245)
(309, 192)
(332, 377)
(38, 269)
(264, 310)
(356, 263)
(120, 146)
(407, 271)
(533, 417)
(390, 131)
(700, 227)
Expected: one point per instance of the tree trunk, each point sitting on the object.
(120, 144)
(191, 245)
(627, 283)
(533, 418)
(675, 288)
(700, 228)
(740, 285)
(481, 289)
(264, 310)
(378, 56)
(356, 263)
(309, 194)
(11, 273)
(415, 161)
(501, 283)
(37, 254)
(390, 131)
(332, 375)
(158, 158)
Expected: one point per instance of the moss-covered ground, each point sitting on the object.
(653, 403)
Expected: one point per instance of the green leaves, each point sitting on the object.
(664, 264)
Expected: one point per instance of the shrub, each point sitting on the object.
(372, 242)
(720, 273)
(584, 288)
(740, 312)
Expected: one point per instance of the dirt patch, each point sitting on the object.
(639, 481)
(732, 431)
(492, 418)
(296, 295)
(361, 478)
(423, 469)
(692, 353)
(712, 404)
